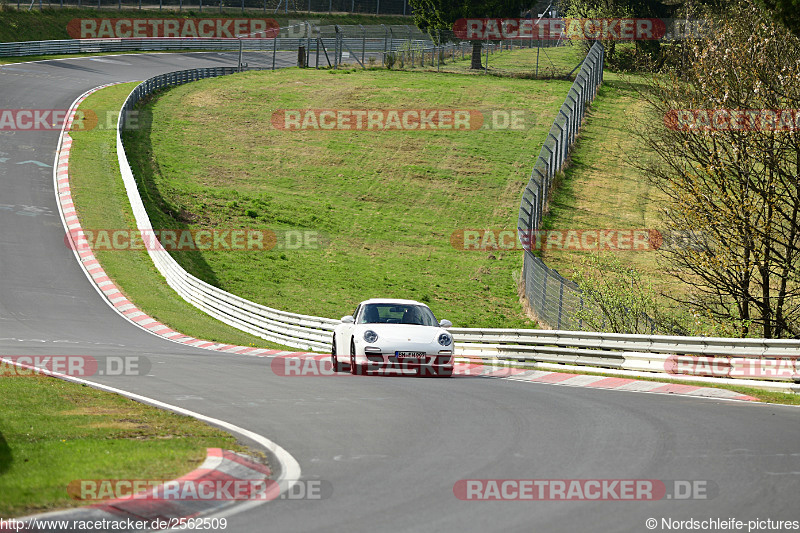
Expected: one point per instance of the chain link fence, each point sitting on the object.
(406, 47)
(552, 298)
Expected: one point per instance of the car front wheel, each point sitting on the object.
(355, 369)
(337, 366)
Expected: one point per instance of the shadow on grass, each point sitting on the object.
(5, 455)
(164, 215)
(625, 84)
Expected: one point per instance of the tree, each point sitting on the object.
(618, 299)
(728, 163)
(442, 14)
(622, 9)
(787, 12)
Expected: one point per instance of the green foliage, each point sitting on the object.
(441, 14)
(787, 12)
(736, 187)
(617, 298)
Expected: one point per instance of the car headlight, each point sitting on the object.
(445, 339)
(370, 336)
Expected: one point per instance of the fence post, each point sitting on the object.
(274, 50)
(550, 170)
(363, 42)
(308, 42)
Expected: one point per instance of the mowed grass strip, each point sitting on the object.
(388, 202)
(53, 432)
(601, 189)
(102, 204)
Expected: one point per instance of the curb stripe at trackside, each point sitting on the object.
(128, 310)
(288, 475)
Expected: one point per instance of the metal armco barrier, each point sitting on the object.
(82, 46)
(290, 329)
(656, 354)
(766, 363)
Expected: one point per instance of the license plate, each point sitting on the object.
(410, 355)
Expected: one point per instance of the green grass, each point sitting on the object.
(103, 204)
(388, 201)
(51, 24)
(53, 432)
(600, 188)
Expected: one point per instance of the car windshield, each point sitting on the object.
(397, 314)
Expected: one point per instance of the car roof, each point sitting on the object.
(391, 301)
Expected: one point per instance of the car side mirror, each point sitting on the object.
(445, 324)
(348, 319)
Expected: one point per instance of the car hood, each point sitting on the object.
(402, 332)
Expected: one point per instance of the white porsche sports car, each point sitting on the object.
(401, 334)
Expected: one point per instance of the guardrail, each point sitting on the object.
(758, 362)
(765, 363)
(290, 329)
(82, 46)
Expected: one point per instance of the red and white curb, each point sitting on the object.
(615, 383)
(128, 309)
(132, 513)
(94, 269)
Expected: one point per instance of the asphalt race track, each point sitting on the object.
(391, 448)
